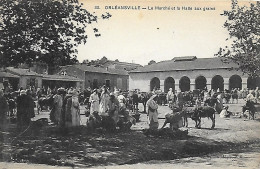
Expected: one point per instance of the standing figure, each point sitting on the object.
(206, 96)
(256, 94)
(75, 109)
(39, 92)
(113, 109)
(171, 97)
(250, 101)
(104, 98)
(48, 91)
(250, 97)
(197, 102)
(180, 99)
(219, 103)
(135, 99)
(152, 113)
(57, 106)
(94, 101)
(3, 109)
(121, 100)
(23, 110)
(87, 93)
(31, 104)
(66, 110)
(234, 95)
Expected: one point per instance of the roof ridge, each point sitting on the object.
(199, 63)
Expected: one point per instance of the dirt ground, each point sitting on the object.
(231, 139)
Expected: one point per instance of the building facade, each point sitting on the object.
(95, 77)
(189, 73)
(18, 77)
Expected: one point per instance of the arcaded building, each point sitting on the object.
(189, 73)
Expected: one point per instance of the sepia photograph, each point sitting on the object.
(131, 84)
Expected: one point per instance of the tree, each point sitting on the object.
(243, 24)
(86, 61)
(96, 63)
(151, 62)
(103, 60)
(47, 31)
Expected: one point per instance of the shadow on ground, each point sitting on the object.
(79, 147)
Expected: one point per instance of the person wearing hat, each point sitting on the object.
(23, 104)
(152, 113)
(94, 102)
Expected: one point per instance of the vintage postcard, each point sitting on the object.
(129, 84)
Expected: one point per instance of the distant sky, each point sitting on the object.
(142, 35)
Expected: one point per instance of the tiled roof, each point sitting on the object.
(185, 58)
(59, 77)
(86, 68)
(187, 63)
(6, 74)
(21, 72)
(123, 63)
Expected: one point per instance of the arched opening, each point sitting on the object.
(169, 83)
(154, 84)
(235, 81)
(200, 82)
(252, 83)
(217, 83)
(184, 84)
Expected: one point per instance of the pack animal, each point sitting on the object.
(173, 119)
(211, 102)
(187, 113)
(94, 121)
(162, 99)
(250, 108)
(45, 102)
(143, 98)
(227, 97)
(203, 112)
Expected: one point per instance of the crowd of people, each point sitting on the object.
(65, 107)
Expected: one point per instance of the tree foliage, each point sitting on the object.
(96, 63)
(243, 24)
(47, 31)
(151, 62)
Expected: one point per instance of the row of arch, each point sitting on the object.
(217, 82)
